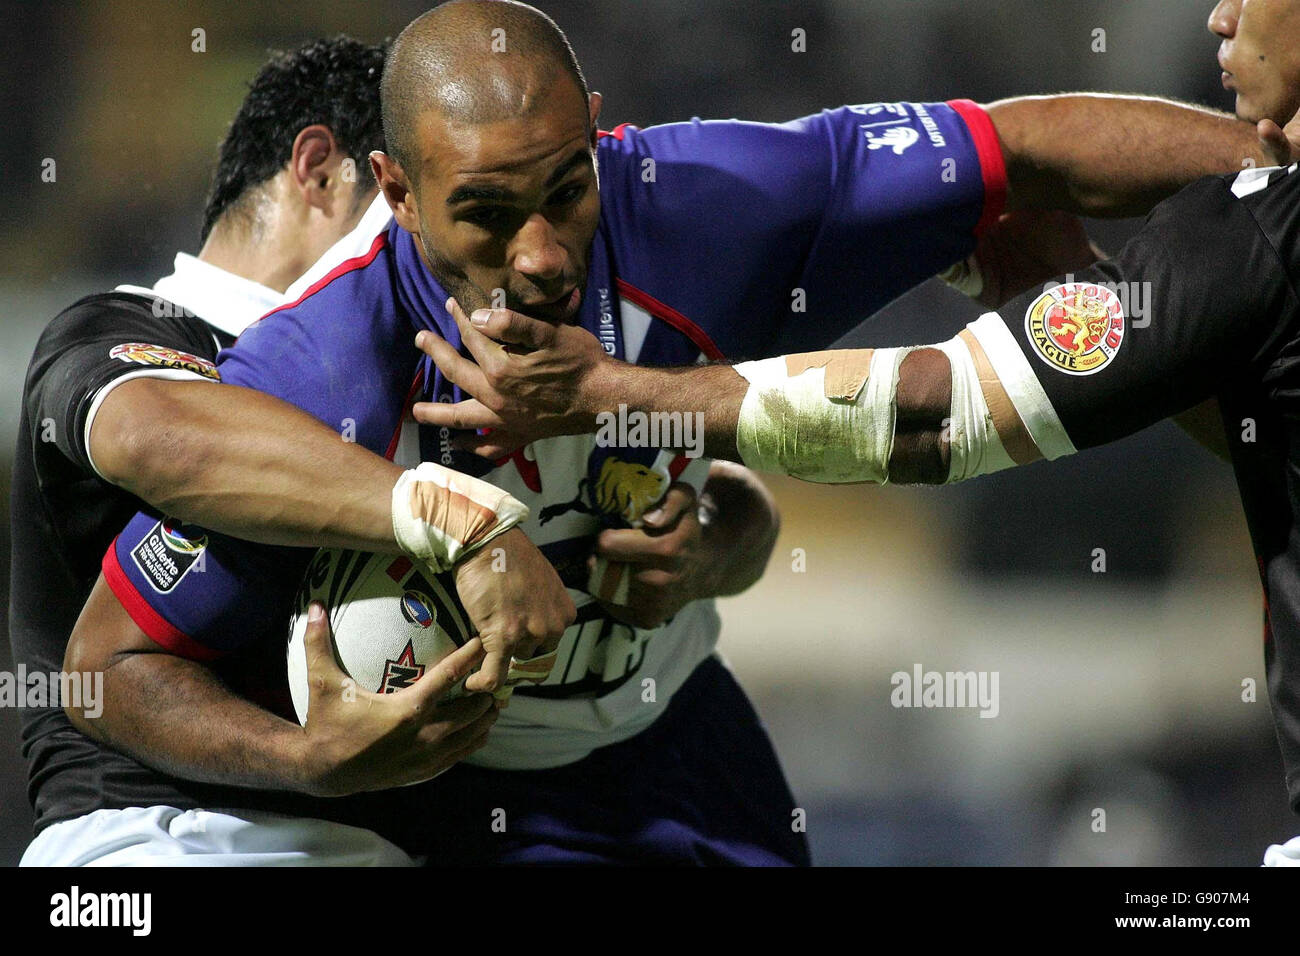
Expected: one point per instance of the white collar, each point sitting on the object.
(222, 299)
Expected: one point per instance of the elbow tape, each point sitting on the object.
(830, 416)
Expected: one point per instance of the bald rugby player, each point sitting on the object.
(1056, 370)
(492, 177)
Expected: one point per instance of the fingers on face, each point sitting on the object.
(513, 328)
(488, 353)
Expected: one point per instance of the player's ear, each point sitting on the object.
(594, 108)
(397, 191)
(312, 163)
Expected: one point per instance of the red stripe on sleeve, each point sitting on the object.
(157, 627)
(617, 132)
(992, 165)
(347, 265)
(666, 313)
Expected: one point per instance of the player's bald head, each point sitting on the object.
(473, 61)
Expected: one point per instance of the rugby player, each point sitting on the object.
(114, 408)
(640, 745)
(1055, 370)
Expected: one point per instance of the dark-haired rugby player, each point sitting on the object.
(119, 405)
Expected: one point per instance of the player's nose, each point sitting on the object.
(1223, 18)
(538, 253)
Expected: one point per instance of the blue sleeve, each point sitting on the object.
(782, 237)
(197, 594)
(345, 354)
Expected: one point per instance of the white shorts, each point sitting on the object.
(166, 836)
(1284, 854)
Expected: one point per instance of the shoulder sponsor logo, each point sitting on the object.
(168, 552)
(607, 337)
(892, 126)
(1076, 327)
(897, 138)
(160, 356)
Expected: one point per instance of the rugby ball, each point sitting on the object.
(391, 619)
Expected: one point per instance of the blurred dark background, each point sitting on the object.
(1119, 690)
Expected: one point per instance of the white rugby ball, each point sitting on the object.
(390, 617)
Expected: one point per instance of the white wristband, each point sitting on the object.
(440, 516)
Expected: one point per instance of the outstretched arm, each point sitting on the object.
(1154, 332)
(1098, 154)
(1160, 329)
(1086, 153)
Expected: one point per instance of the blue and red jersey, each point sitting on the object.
(716, 240)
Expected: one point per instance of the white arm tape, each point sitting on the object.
(440, 516)
(1016, 376)
(974, 447)
(788, 425)
(802, 425)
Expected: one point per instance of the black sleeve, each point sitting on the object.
(94, 343)
(1198, 298)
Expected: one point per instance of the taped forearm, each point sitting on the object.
(821, 416)
(830, 416)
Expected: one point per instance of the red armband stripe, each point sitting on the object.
(993, 166)
(161, 631)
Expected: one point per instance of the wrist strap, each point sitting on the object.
(441, 516)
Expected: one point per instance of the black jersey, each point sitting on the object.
(64, 518)
(1201, 303)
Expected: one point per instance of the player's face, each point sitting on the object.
(1260, 56)
(512, 206)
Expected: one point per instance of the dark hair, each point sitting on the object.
(334, 82)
